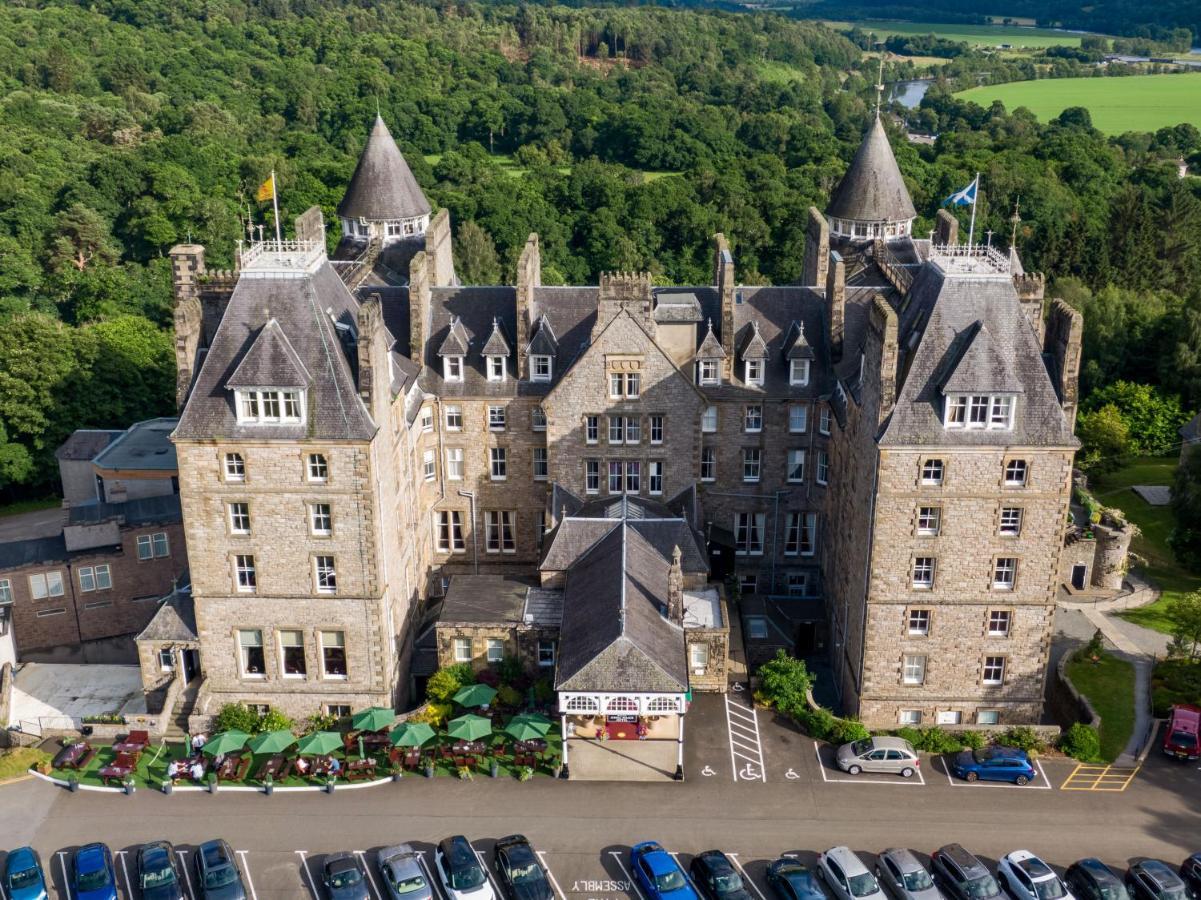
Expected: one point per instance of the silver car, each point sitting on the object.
(402, 873)
(846, 876)
(886, 755)
(903, 876)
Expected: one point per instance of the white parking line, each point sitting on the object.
(362, 855)
(120, 854)
(1032, 786)
(435, 884)
(746, 749)
(487, 871)
(187, 876)
(551, 875)
(916, 779)
(62, 862)
(241, 854)
(616, 854)
(747, 877)
(304, 864)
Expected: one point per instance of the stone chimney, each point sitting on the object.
(946, 229)
(629, 291)
(374, 386)
(187, 271)
(529, 276)
(419, 306)
(1065, 327)
(836, 300)
(723, 277)
(675, 587)
(817, 249)
(1031, 288)
(438, 249)
(882, 322)
(310, 225)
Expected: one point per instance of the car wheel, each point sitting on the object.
(1021, 780)
(906, 772)
(854, 770)
(971, 776)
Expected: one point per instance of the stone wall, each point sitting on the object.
(520, 641)
(1113, 545)
(1066, 704)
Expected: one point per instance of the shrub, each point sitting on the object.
(508, 696)
(937, 740)
(911, 734)
(237, 716)
(511, 670)
(489, 677)
(434, 714)
(444, 684)
(818, 723)
(973, 740)
(543, 690)
(1093, 649)
(274, 720)
(785, 682)
(843, 731)
(1175, 681)
(1023, 737)
(1081, 742)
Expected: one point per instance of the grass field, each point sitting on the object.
(780, 72)
(1109, 686)
(514, 169)
(973, 35)
(1117, 105)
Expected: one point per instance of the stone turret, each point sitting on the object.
(383, 201)
(871, 201)
(630, 291)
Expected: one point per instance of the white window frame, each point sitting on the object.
(823, 467)
(992, 672)
(922, 574)
(161, 544)
(708, 371)
(448, 531)
(166, 660)
(909, 717)
(798, 418)
(633, 429)
(243, 662)
(798, 372)
(988, 717)
(709, 420)
(633, 484)
(617, 429)
(913, 668)
(245, 574)
(929, 520)
(752, 464)
(235, 467)
(541, 368)
(43, 585)
(537, 419)
(546, 653)
(454, 463)
(461, 649)
(429, 465)
(239, 517)
(325, 574)
(979, 411)
(592, 476)
(748, 533)
(708, 462)
(654, 477)
(823, 421)
(498, 459)
(753, 372)
(500, 531)
(452, 369)
(934, 472)
(495, 650)
(1011, 521)
(591, 429)
(321, 519)
(145, 547)
(797, 584)
(795, 471)
(427, 418)
(317, 468)
(497, 418)
(1005, 573)
(498, 368)
(616, 476)
(321, 648)
(698, 657)
(541, 464)
(270, 406)
(655, 427)
(282, 649)
(1000, 623)
(6, 591)
(752, 418)
(917, 622)
(454, 417)
(1017, 473)
(756, 628)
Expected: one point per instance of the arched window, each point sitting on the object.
(622, 704)
(582, 704)
(662, 704)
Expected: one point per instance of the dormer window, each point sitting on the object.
(496, 368)
(993, 411)
(541, 368)
(452, 368)
(798, 372)
(708, 372)
(754, 371)
(270, 407)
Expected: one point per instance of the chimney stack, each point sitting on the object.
(529, 276)
(723, 277)
(675, 588)
(836, 299)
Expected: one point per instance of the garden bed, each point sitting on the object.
(1108, 683)
(1175, 681)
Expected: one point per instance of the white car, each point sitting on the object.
(847, 877)
(1027, 877)
(461, 871)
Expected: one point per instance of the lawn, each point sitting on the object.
(1109, 687)
(1155, 523)
(514, 169)
(973, 35)
(24, 506)
(779, 72)
(15, 763)
(1117, 104)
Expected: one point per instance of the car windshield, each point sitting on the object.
(527, 874)
(863, 885)
(918, 880)
(728, 883)
(345, 878)
(406, 884)
(466, 878)
(669, 881)
(219, 876)
(23, 879)
(1114, 890)
(1184, 739)
(92, 881)
(981, 888)
(1051, 889)
(158, 877)
(861, 747)
(981, 756)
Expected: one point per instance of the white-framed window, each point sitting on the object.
(496, 418)
(546, 653)
(1004, 573)
(823, 420)
(537, 419)
(923, 573)
(753, 371)
(798, 584)
(932, 471)
(709, 464)
(994, 670)
(339, 710)
(6, 591)
(166, 660)
(160, 544)
(988, 717)
(291, 654)
(495, 650)
(318, 468)
(325, 576)
(752, 418)
(454, 463)
(591, 429)
(913, 670)
(956, 412)
(654, 474)
(798, 372)
(321, 520)
(251, 659)
(95, 578)
(800, 534)
(756, 628)
(1016, 472)
(452, 368)
(462, 649)
(1011, 521)
(454, 418)
(592, 476)
(708, 371)
(752, 463)
(993, 411)
(497, 368)
(427, 418)
(633, 476)
(239, 517)
(45, 613)
(929, 520)
(798, 418)
(796, 466)
(998, 622)
(582, 704)
(709, 420)
(244, 574)
(499, 531)
(145, 547)
(663, 704)
(429, 465)
(1000, 412)
(748, 534)
(615, 476)
(333, 654)
(823, 467)
(949, 717)
(918, 623)
(270, 407)
(541, 368)
(235, 467)
(499, 463)
(633, 429)
(909, 717)
(46, 584)
(617, 429)
(698, 658)
(448, 530)
(656, 429)
(625, 384)
(540, 466)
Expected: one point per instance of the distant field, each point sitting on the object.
(983, 35)
(513, 169)
(773, 70)
(1134, 103)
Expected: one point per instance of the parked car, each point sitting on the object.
(793, 880)
(92, 873)
(658, 874)
(1182, 737)
(402, 874)
(716, 877)
(886, 755)
(1027, 877)
(522, 876)
(961, 875)
(158, 877)
(904, 876)
(846, 876)
(1190, 871)
(23, 875)
(217, 873)
(460, 870)
(994, 764)
(1154, 879)
(344, 878)
(1091, 879)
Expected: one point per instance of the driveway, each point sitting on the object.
(52, 693)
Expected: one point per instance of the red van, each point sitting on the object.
(1182, 739)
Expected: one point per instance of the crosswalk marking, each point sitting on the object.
(746, 749)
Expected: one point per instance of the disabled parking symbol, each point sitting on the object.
(791, 775)
(708, 772)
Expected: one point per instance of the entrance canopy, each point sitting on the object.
(606, 704)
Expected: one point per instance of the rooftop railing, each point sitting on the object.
(971, 258)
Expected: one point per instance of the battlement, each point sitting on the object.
(625, 285)
(1030, 284)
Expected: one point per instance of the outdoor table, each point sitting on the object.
(73, 756)
(357, 769)
(271, 767)
(373, 739)
(468, 748)
(115, 772)
(134, 742)
(233, 767)
(534, 746)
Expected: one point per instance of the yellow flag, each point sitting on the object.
(266, 190)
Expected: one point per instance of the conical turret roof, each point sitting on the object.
(383, 186)
(872, 189)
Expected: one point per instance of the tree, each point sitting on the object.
(1106, 439)
(1153, 418)
(1185, 615)
(785, 684)
(1185, 539)
(83, 238)
(476, 260)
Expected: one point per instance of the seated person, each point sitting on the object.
(334, 766)
(176, 768)
(302, 766)
(198, 741)
(197, 771)
(219, 760)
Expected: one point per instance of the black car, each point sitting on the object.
(217, 874)
(158, 877)
(716, 877)
(792, 880)
(344, 878)
(521, 874)
(961, 875)
(1091, 879)
(1154, 879)
(1190, 871)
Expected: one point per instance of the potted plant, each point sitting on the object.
(494, 769)
(429, 767)
(72, 784)
(331, 784)
(525, 773)
(397, 772)
(214, 785)
(268, 785)
(128, 784)
(465, 774)
(556, 766)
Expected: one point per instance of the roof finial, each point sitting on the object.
(880, 87)
(1015, 220)
(377, 115)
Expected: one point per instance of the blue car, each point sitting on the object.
(994, 764)
(658, 874)
(92, 873)
(23, 878)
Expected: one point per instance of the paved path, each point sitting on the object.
(36, 524)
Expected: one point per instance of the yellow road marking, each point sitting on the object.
(1099, 778)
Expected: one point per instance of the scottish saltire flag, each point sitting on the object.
(966, 197)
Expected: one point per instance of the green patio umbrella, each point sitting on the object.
(475, 695)
(523, 730)
(374, 718)
(536, 719)
(412, 734)
(319, 743)
(469, 727)
(272, 741)
(226, 742)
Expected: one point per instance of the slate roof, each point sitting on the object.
(753, 345)
(544, 342)
(543, 607)
(144, 445)
(981, 366)
(497, 344)
(141, 511)
(796, 346)
(677, 306)
(17, 554)
(872, 190)
(271, 361)
(710, 347)
(481, 599)
(174, 621)
(383, 186)
(85, 443)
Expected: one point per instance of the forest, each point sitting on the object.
(625, 136)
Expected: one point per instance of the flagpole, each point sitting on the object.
(971, 231)
(275, 206)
